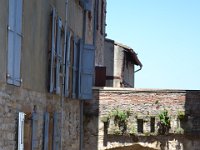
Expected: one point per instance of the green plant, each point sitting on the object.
(120, 118)
(133, 130)
(181, 115)
(179, 131)
(164, 123)
(105, 119)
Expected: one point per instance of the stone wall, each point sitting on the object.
(143, 104)
(14, 100)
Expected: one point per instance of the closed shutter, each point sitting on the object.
(46, 130)
(75, 68)
(21, 118)
(87, 69)
(53, 52)
(67, 64)
(35, 142)
(56, 131)
(14, 42)
(58, 54)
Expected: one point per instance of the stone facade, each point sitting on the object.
(14, 100)
(144, 104)
(32, 94)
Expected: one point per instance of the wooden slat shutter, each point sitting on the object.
(46, 130)
(14, 42)
(35, 142)
(56, 131)
(75, 68)
(21, 118)
(58, 54)
(87, 70)
(67, 64)
(53, 52)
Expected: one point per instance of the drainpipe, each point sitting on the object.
(63, 72)
(81, 101)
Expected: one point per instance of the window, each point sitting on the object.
(140, 123)
(79, 69)
(78, 59)
(57, 52)
(14, 42)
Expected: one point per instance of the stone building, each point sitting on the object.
(120, 61)
(47, 59)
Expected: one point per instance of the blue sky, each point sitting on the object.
(166, 36)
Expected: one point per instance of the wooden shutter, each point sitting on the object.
(87, 69)
(46, 131)
(21, 118)
(75, 68)
(56, 131)
(35, 142)
(53, 52)
(58, 54)
(67, 64)
(14, 42)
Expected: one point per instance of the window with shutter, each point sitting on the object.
(67, 64)
(86, 68)
(57, 51)
(14, 42)
(75, 68)
(58, 55)
(46, 130)
(35, 142)
(56, 131)
(21, 118)
(53, 52)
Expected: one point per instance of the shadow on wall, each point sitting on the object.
(91, 125)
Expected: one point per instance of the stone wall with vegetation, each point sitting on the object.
(161, 119)
(14, 100)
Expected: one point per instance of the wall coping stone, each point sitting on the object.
(144, 90)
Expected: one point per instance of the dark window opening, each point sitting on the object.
(140, 123)
(152, 124)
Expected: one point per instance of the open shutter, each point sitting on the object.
(75, 69)
(35, 142)
(67, 64)
(53, 52)
(58, 54)
(21, 118)
(87, 69)
(46, 130)
(56, 131)
(14, 42)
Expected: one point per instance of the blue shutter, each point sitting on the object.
(56, 131)
(75, 69)
(87, 70)
(58, 54)
(67, 64)
(46, 130)
(86, 4)
(14, 42)
(35, 142)
(53, 43)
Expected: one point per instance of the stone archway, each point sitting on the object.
(133, 147)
